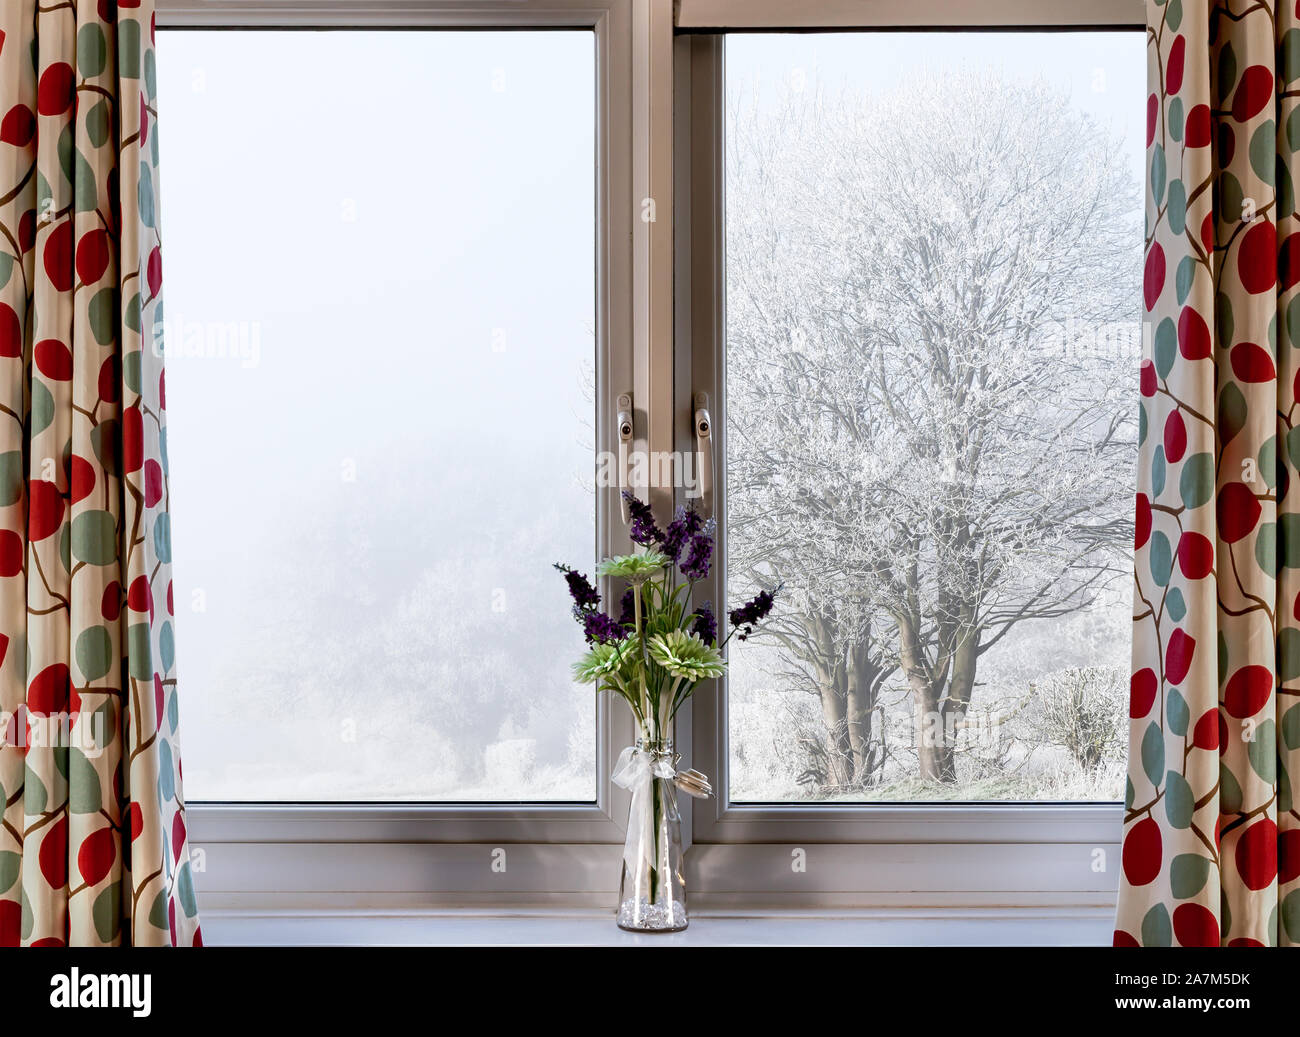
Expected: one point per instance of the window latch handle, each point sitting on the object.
(625, 431)
(704, 451)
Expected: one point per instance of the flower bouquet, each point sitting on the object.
(654, 656)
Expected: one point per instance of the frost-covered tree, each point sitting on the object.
(931, 430)
(1081, 709)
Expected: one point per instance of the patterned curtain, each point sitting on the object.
(1211, 849)
(92, 846)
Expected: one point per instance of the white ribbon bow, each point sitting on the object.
(635, 771)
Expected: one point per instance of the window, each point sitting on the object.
(381, 357)
(933, 245)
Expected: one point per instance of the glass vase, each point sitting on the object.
(652, 893)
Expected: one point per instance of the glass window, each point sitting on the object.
(933, 256)
(380, 358)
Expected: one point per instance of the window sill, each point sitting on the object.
(906, 927)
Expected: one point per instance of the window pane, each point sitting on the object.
(934, 247)
(380, 361)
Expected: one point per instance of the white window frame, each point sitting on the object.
(657, 281)
(282, 855)
(877, 854)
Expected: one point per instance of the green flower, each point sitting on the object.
(685, 655)
(602, 661)
(632, 567)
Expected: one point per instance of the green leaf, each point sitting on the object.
(1165, 347)
(1158, 173)
(1263, 151)
(131, 370)
(1153, 753)
(42, 407)
(1158, 472)
(144, 195)
(131, 314)
(1229, 791)
(1177, 712)
(166, 771)
(128, 48)
(185, 890)
(1262, 750)
(34, 795)
(92, 50)
(10, 866)
(85, 191)
(1156, 928)
(102, 312)
(1266, 547)
(139, 653)
(1267, 459)
(98, 124)
(1186, 275)
(107, 912)
(1291, 726)
(1179, 801)
(1289, 534)
(162, 537)
(1288, 55)
(84, 793)
(94, 538)
(1196, 482)
(158, 913)
(1227, 69)
(1160, 558)
(66, 148)
(1223, 323)
(1188, 873)
(107, 444)
(1290, 912)
(1231, 196)
(1288, 658)
(12, 478)
(94, 652)
(166, 646)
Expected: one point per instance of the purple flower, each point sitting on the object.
(696, 566)
(686, 523)
(752, 612)
(706, 625)
(584, 595)
(675, 537)
(627, 613)
(597, 626)
(643, 529)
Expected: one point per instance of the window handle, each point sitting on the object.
(704, 450)
(625, 430)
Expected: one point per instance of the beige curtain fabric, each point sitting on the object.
(1211, 851)
(93, 848)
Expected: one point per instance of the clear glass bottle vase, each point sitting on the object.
(652, 893)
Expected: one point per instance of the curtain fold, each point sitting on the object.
(1211, 850)
(93, 847)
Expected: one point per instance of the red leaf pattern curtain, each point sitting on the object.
(93, 847)
(1211, 851)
